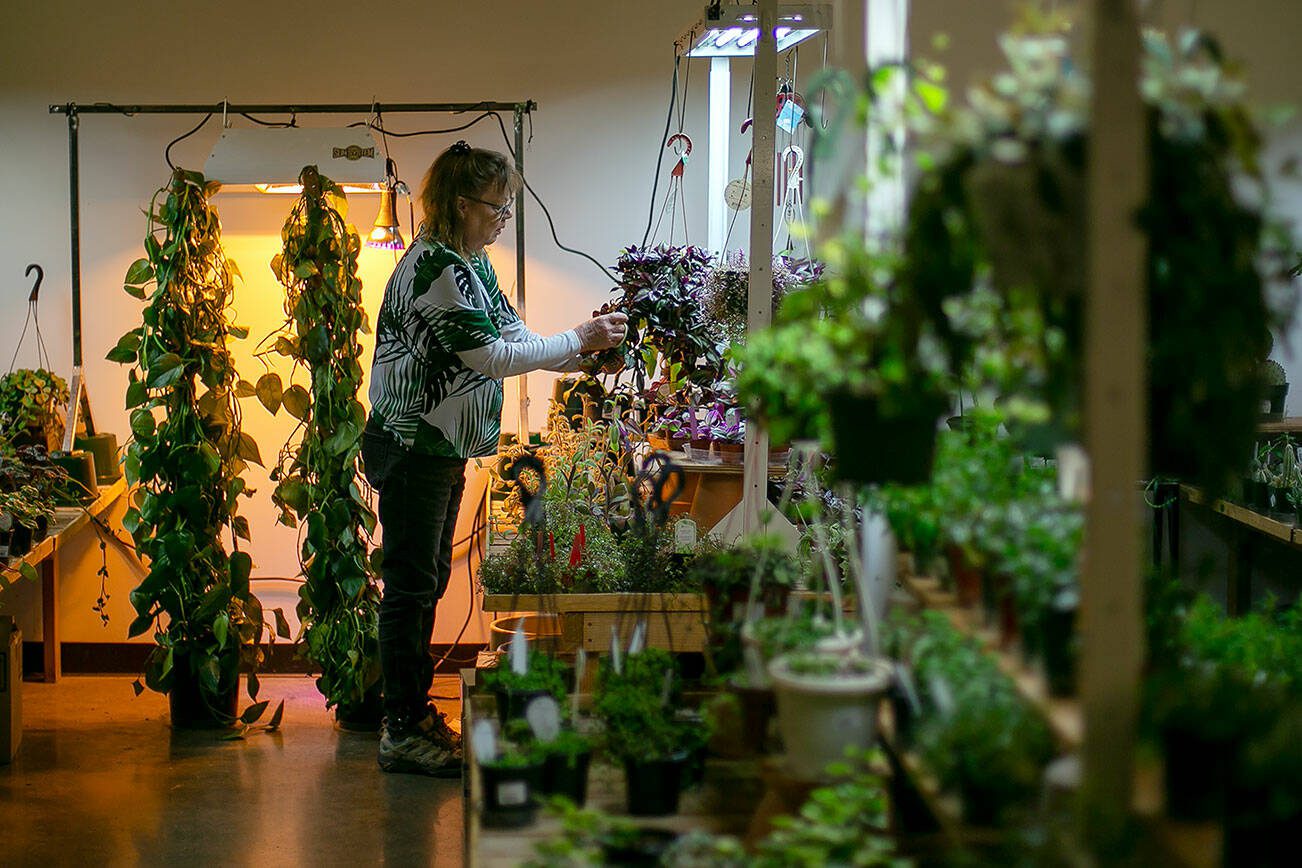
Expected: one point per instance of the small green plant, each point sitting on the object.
(635, 705)
(31, 403)
(543, 673)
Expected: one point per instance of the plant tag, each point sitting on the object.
(685, 535)
(519, 653)
(544, 716)
(904, 675)
(616, 658)
(790, 116)
(943, 696)
(484, 741)
(638, 640)
(580, 668)
(512, 794)
(667, 688)
(1073, 473)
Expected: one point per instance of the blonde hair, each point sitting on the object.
(461, 171)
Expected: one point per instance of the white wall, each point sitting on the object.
(600, 72)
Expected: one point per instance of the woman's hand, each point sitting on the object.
(602, 332)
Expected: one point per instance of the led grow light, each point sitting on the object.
(732, 31)
(269, 159)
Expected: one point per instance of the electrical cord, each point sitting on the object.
(664, 139)
(167, 152)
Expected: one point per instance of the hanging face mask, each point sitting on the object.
(790, 116)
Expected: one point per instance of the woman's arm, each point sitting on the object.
(516, 331)
(505, 357)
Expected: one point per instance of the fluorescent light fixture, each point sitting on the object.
(731, 31)
(269, 159)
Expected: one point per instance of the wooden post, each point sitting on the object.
(1115, 397)
(760, 296)
(52, 652)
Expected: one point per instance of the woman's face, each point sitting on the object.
(483, 217)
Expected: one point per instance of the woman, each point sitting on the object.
(445, 338)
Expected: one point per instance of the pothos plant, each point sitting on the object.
(30, 402)
(316, 476)
(187, 453)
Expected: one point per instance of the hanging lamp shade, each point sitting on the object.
(269, 159)
(387, 234)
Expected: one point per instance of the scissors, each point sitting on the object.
(534, 513)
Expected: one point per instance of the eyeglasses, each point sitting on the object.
(500, 212)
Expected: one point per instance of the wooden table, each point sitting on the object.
(711, 489)
(724, 803)
(67, 523)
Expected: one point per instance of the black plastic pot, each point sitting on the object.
(872, 447)
(510, 794)
(5, 537)
(20, 540)
(512, 703)
(1276, 395)
(1252, 492)
(42, 529)
(758, 706)
(192, 707)
(654, 785)
(645, 848)
(565, 775)
(1196, 774)
(364, 715)
(1058, 646)
(1255, 835)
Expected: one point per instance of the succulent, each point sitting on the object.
(1273, 374)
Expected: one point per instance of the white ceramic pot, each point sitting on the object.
(756, 665)
(822, 715)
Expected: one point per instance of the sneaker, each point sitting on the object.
(434, 726)
(412, 753)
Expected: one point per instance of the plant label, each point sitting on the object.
(512, 794)
(667, 688)
(580, 669)
(616, 658)
(519, 652)
(544, 716)
(638, 640)
(484, 741)
(685, 532)
(1073, 473)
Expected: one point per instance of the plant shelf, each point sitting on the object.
(675, 622)
(1281, 530)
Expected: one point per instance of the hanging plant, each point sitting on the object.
(31, 407)
(186, 457)
(317, 480)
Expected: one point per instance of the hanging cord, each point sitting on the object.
(292, 122)
(378, 127)
(745, 178)
(167, 152)
(33, 318)
(664, 139)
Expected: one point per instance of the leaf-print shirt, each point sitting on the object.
(444, 339)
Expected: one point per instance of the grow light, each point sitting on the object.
(269, 159)
(733, 31)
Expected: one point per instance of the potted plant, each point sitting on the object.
(31, 407)
(566, 760)
(1275, 381)
(544, 676)
(765, 639)
(827, 703)
(25, 517)
(1264, 808)
(727, 289)
(317, 477)
(634, 704)
(511, 782)
(185, 458)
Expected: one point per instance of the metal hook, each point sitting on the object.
(36, 287)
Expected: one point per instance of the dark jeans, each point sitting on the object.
(419, 499)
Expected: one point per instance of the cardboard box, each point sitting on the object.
(11, 686)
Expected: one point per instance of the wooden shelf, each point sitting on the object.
(1287, 425)
(68, 520)
(724, 803)
(1062, 714)
(1283, 531)
(675, 622)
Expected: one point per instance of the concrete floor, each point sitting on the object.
(101, 779)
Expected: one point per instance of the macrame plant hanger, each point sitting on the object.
(675, 202)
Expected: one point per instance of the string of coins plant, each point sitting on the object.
(317, 480)
(186, 461)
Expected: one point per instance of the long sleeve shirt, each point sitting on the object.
(444, 339)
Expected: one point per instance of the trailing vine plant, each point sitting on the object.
(187, 454)
(316, 476)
